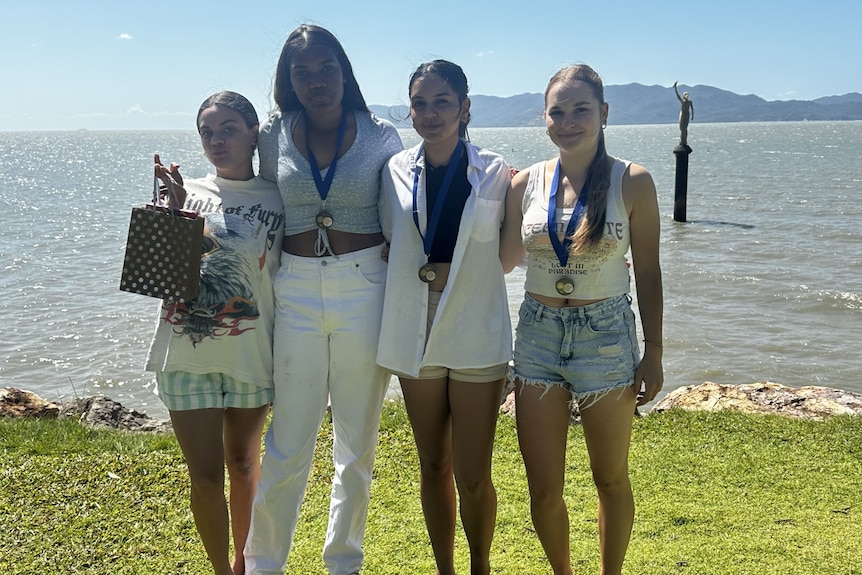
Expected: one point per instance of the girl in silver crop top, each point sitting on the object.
(576, 341)
(325, 150)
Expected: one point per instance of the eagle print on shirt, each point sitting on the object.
(232, 253)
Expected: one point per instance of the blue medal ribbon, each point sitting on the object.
(323, 184)
(428, 238)
(561, 248)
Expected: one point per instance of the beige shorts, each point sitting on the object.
(468, 375)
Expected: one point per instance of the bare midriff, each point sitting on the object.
(341, 242)
(561, 301)
(439, 282)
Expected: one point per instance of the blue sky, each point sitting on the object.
(114, 64)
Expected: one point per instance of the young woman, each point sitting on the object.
(577, 215)
(325, 150)
(213, 355)
(446, 330)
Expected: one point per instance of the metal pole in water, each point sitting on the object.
(680, 194)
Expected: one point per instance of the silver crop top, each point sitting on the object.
(352, 200)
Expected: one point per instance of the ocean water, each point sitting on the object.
(763, 282)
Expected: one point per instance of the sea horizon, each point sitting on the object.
(405, 126)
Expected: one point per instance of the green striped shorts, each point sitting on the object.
(184, 391)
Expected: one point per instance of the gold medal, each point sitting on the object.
(565, 286)
(323, 219)
(428, 273)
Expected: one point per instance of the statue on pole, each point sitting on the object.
(682, 151)
(686, 113)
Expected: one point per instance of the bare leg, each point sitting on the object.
(607, 430)
(474, 419)
(427, 404)
(199, 433)
(242, 435)
(543, 427)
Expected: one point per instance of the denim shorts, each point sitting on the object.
(184, 391)
(589, 350)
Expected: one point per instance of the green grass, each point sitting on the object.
(721, 494)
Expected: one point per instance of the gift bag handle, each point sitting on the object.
(171, 201)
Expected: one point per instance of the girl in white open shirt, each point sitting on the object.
(446, 330)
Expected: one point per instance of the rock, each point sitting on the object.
(508, 405)
(22, 403)
(98, 411)
(809, 402)
(102, 411)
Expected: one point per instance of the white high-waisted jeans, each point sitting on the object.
(327, 324)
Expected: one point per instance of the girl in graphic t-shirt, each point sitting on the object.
(213, 355)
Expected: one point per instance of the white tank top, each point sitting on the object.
(598, 273)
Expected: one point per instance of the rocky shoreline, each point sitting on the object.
(98, 411)
(762, 397)
(808, 402)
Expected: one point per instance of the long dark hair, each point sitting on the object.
(301, 38)
(591, 231)
(453, 75)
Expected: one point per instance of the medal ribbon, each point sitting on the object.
(323, 184)
(428, 239)
(562, 248)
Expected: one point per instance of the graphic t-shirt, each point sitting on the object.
(227, 328)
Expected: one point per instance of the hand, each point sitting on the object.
(384, 254)
(649, 377)
(172, 183)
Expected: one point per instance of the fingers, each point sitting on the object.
(168, 175)
(159, 168)
(645, 390)
(638, 393)
(648, 393)
(175, 173)
(163, 175)
(171, 187)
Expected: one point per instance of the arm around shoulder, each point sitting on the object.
(267, 147)
(511, 245)
(387, 196)
(392, 143)
(497, 174)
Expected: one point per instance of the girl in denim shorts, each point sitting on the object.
(576, 217)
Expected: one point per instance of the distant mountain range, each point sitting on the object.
(639, 104)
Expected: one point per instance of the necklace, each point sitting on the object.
(324, 218)
(428, 273)
(564, 286)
